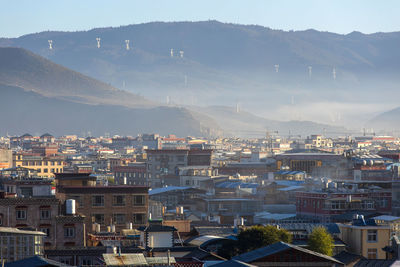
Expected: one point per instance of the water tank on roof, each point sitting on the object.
(70, 204)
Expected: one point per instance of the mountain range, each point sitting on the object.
(40, 96)
(322, 76)
(341, 80)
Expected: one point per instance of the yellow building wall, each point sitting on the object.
(52, 166)
(357, 240)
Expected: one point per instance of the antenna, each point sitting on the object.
(309, 71)
(181, 53)
(98, 42)
(127, 44)
(172, 52)
(50, 44)
(334, 73)
(276, 68)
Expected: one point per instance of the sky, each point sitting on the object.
(19, 17)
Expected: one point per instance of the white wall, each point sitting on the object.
(160, 239)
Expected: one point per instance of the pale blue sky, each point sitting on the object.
(18, 17)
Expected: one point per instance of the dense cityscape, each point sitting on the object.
(206, 133)
(182, 201)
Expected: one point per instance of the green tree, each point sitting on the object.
(260, 236)
(321, 241)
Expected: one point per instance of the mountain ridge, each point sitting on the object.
(226, 63)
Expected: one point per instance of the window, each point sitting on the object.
(86, 261)
(119, 200)
(372, 253)
(69, 231)
(139, 218)
(45, 230)
(139, 200)
(338, 205)
(1, 219)
(26, 191)
(98, 218)
(372, 236)
(45, 214)
(97, 201)
(46, 170)
(367, 204)
(21, 214)
(119, 218)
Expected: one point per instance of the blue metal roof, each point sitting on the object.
(228, 184)
(288, 182)
(290, 188)
(282, 172)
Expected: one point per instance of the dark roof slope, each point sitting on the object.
(36, 261)
(233, 263)
(276, 248)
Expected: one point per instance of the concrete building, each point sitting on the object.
(18, 244)
(366, 238)
(45, 166)
(5, 158)
(324, 205)
(106, 206)
(133, 174)
(163, 164)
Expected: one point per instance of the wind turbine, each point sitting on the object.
(98, 39)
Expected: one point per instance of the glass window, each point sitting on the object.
(139, 200)
(98, 218)
(26, 191)
(98, 201)
(139, 218)
(21, 214)
(45, 214)
(119, 200)
(119, 218)
(372, 253)
(69, 231)
(372, 236)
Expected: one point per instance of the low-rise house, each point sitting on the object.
(366, 237)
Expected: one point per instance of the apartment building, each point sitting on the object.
(104, 205)
(18, 244)
(45, 166)
(163, 164)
